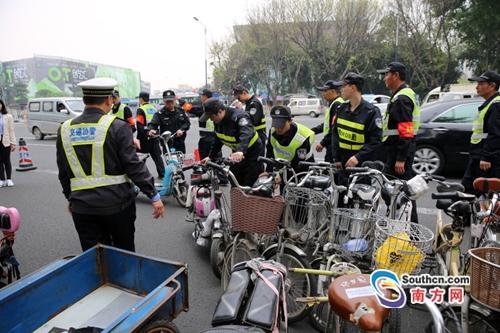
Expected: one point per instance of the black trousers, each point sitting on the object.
(5, 165)
(247, 171)
(157, 156)
(408, 174)
(178, 144)
(204, 145)
(473, 171)
(116, 230)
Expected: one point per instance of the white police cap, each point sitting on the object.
(98, 87)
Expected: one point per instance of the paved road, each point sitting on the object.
(48, 233)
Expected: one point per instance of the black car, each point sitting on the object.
(444, 137)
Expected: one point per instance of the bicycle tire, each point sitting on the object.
(180, 193)
(216, 247)
(160, 326)
(299, 311)
(241, 253)
(480, 323)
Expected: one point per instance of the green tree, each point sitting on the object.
(478, 25)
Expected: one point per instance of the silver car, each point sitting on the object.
(45, 115)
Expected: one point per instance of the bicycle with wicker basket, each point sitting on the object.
(480, 311)
(255, 214)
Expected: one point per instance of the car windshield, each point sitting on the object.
(76, 105)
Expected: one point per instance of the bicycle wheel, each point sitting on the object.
(180, 192)
(478, 322)
(216, 262)
(241, 253)
(298, 285)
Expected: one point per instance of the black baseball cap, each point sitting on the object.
(168, 95)
(144, 95)
(212, 106)
(280, 114)
(115, 93)
(488, 76)
(353, 78)
(238, 89)
(394, 67)
(206, 92)
(330, 84)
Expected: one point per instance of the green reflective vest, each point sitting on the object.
(262, 125)
(478, 124)
(351, 132)
(121, 112)
(288, 152)
(326, 122)
(232, 142)
(88, 134)
(209, 126)
(149, 110)
(415, 115)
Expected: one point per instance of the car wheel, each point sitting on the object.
(38, 133)
(313, 114)
(428, 159)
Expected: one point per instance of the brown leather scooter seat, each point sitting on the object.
(348, 293)
(487, 185)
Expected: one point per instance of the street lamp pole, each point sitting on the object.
(206, 62)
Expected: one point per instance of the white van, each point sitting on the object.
(455, 92)
(303, 106)
(45, 115)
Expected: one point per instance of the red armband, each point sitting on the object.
(406, 130)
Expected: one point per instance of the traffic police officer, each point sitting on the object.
(484, 158)
(234, 129)
(123, 112)
(255, 110)
(171, 118)
(331, 93)
(288, 140)
(145, 114)
(357, 129)
(206, 126)
(97, 162)
(400, 125)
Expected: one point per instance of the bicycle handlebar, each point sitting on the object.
(274, 161)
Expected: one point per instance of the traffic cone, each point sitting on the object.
(25, 162)
(197, 155)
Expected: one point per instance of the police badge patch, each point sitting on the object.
(243, 122)
(302, 153)
(378, 122)
(253, 111)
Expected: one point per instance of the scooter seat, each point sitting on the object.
(318, 182)
(348, 293)
(487, 185)
(233, 329)
(450, 187)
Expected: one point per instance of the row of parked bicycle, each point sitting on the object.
(321, 231)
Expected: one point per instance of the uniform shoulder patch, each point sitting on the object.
(378, 122)
(253, 111)
(243, 122)
(302, 153)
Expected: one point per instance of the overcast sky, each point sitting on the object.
(158, 38)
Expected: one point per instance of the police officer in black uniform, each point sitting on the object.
(331, 93)
(97, 162)
(255, 110)
(234, 129)
(400, 125)
(171, 118)
(357, 129)
(484, 158)
(206, 126)
(289, 140)
(123, 112)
